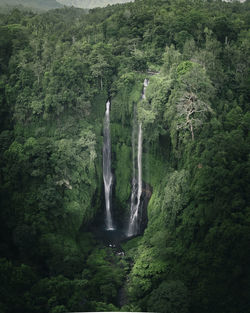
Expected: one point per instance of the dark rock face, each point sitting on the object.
(145, 197)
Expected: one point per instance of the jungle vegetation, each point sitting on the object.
(57, 69)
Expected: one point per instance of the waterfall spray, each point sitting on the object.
(107, 174)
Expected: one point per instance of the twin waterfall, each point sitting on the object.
(107, 174)
(135, 201)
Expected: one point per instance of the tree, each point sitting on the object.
(102, 63)
(191, 112)
(192, 96)
(169, 297)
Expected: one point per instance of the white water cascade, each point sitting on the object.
(134, 220)
(107, 174)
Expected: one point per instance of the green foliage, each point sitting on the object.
(130, 308)
(151, 111)
(127, 93)
(15, 283)
(105, 277)
(57, 71)
(131, 244)
(170, 296)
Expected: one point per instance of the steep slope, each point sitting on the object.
(58, 69)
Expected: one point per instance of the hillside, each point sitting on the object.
(89, 4)
(35, 4)
(124, 158)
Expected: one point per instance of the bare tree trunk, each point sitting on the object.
(192, 131)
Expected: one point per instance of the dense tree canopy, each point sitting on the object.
(57, 70)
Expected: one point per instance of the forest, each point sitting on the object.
(58, 69)
(30, 5)
(44, 5)
(89, 4)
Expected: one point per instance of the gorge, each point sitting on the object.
(119, 193)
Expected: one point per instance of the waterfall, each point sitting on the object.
(134, 220)
(145, 85)
(107, 174)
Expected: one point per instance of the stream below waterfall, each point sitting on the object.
(112, 238)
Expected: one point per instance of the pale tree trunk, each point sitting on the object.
(192, 131)
(189, 122)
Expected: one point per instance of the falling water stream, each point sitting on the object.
(134, 220)
(107, 174)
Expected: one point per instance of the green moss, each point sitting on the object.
(120, 134)
(122, 167)
(123, 174)
(155, 168)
